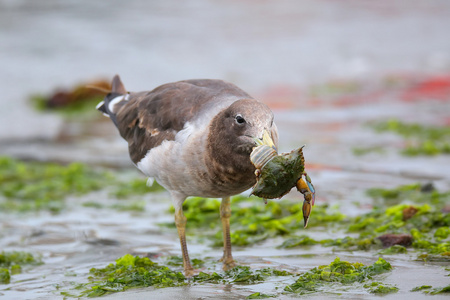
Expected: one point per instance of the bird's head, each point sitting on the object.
(242, 126)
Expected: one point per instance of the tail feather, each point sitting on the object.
(117, 86)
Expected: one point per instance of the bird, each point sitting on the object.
(194, 137)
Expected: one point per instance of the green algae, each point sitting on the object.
(399, 193)
(11, 263)
(73, 110)
(16, 269)
(11, 258)
(242, 275)
(426, 224)
(130, 206)
(93, 204)
(440, 290)
(296, 241)
(44, 186)
(34, 186)
(177, 261)
(414, 193)
(133, 206)
(259, 295)
(351, 243)
(420, 139)
(421, 288)
(251, 220)
(360, 151)
(428, 289)
(137, 186)
(425, 257)
(5, 276)
(380, 288)
(442, 233)
(390, 219)
(396, 249)
(338, 273)
(131, 271)
(422, 227)
(76, 102)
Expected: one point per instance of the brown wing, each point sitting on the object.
(149, 118)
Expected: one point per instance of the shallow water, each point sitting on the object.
(80, 238)
(279, 51)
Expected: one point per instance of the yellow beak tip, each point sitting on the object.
(267, 140)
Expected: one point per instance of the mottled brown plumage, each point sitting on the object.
(165, 110)
(195, 138)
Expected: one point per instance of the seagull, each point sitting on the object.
(193, 137)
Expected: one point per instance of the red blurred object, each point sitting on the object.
(436, 88)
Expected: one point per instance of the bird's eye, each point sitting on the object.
(239, 119)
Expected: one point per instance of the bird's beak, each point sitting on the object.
(265, 140)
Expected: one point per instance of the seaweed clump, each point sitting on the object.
(11, 263)
(43, 186)
(424, 231)
(380, 288)
(133, 271)
(252, 221)
(130, 272)
(259, 295)
(79, 99)
(420, 139)
(240, 275)
(135, 186)
(34, 186)
(427, 224)
(338, 273)
(428, 289)
(393, 229)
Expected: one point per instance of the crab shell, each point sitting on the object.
(276, 174)
(261, 155)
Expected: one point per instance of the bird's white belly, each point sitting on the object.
(177, 165)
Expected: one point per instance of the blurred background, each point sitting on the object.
(269, 48)
(343, 77)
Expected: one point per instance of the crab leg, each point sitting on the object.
(308, 191)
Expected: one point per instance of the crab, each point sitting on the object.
(276, 174)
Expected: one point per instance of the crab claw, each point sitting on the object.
(308, 191)
(306, 211)
(311, 188)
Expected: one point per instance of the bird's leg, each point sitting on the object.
(180, 222)
(225, 214)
